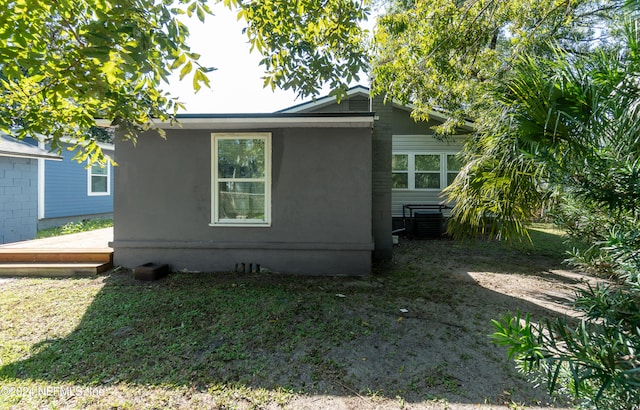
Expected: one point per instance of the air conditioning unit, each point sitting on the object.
(428, 224)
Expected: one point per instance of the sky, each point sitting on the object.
(236, 85)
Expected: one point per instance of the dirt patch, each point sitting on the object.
(429, 345)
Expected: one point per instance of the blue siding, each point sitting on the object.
(66, 191)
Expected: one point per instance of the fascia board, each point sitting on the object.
(268, 122)
(30, 156)
(14, 148)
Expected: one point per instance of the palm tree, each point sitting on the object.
(567, 124)
(565, 127)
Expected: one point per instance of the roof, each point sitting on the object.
(275, 120)
(12, 147)
(294, 116)
(103, 145)
(358, 90)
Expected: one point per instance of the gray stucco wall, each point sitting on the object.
(381, 195)
(354, 104)
(404, 124)
(18, 199)
(321, 204)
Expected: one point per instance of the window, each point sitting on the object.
(99, 176)
(453, 167)
(400, 167)
(241, 179)
(423, 170)
(427, 171)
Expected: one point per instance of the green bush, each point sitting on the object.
(596, 361)
(586, 133)
(606, 243)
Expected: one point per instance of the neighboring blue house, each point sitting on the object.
(71, 191)
(19, 188)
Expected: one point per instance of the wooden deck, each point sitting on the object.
(86, 253)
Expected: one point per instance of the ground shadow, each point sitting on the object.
(416, 330)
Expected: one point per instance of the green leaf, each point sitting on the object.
(200, 78)
(99, 52)
(191, 8)
(186, 69)
(110, 70)
(178, 61)
(200, 12)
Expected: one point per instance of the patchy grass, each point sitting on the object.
(75, 227)
(413, 334)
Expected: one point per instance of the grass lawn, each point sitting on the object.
(75, 227)
(413, 335)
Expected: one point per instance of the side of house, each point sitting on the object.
(358, 100)
(422, 164)
(312, 189)
(411, 166)
(71, 191)
(285, 192)
(19, 188)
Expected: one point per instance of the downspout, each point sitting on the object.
(41, 183)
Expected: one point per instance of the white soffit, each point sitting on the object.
(239, 123)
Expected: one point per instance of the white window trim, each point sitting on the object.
(411, 161)
(217, 222)
(89, 184)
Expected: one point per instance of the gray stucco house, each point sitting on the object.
(19, 188)
(309, 189)
(288, 192)
(411, 166)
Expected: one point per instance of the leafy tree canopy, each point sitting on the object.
(308, 43)
(447, 54)
(65, 63)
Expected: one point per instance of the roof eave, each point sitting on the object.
(240, 123)
(30, 156)
(15, 148)
(261, 121)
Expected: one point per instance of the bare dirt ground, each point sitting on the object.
(436, 354)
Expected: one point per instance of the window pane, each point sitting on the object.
(96, 169)
(241, 158)
(428, 163)
(241, 200)
(428, 180)
(400, 180)
(453, 163)
(98, 183)
(400, 162)
(450, 177)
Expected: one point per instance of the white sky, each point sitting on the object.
(236, 85)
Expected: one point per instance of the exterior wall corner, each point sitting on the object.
(381, 178)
